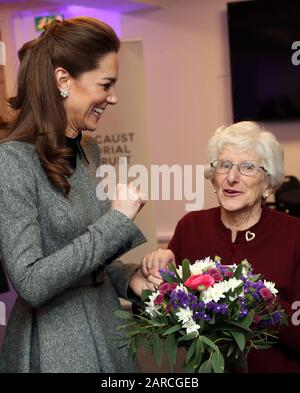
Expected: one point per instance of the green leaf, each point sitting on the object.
(186, 273)
(171, 347)
(168, 278)
(187, 337)
(205, 367)
(172, 330)
(247, 321)
(145, 294)
(191, 351)
(172, 268)
(239, 339)
(238, 272)
(239, 324)
(208, 342)
(230, 350)
(217, 362)
(123, 314)
(190, 366)
(157, 349)
(200, 348)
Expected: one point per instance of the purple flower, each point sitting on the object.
(259, 284)
(172, 274)
(255, 295)
(243, 313)
(201, 304)
(198, 315)
(179, 298)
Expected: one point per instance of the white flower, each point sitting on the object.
(179, 271)
(219, 290)
(271, 287)
(202, 266)
(245, 271)
(233, 267)
(184, 314)
(233, 283)
(181, 287)
(153, 309)
(246, 267)
(215, 293)
(191, 327)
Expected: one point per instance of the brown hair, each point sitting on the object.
(77, 45)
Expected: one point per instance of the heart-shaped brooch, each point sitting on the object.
(249, 236)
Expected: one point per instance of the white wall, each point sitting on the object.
(188, 89)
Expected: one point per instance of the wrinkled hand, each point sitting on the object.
(156, 260)
(139, 283)
(128, 200)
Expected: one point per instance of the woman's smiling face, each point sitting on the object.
(234, 190)
(89, 95)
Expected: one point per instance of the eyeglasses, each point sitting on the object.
(246, 168)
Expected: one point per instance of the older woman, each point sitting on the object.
(246, 166)
(58, 241)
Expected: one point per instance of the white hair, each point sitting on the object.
(249, 135)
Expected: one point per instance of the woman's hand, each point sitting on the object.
(128, 200)
(156, 260)
(139, 282)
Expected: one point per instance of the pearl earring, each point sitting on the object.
(214, 190)
(65, 93)
(266, 194)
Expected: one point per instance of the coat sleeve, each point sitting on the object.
(38, 278)
(120, 274)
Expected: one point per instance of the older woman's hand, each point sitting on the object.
(156, 260)
(139, 282)
(128, 200)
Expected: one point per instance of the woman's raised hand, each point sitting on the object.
(128, 200)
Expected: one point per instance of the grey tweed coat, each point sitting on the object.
(50, 246)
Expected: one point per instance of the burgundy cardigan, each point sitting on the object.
(274, 252)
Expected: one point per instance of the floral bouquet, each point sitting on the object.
(217, 312)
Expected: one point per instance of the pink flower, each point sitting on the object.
(199, 281)
(256, 319)
(166, 287)
(168, 309)
(266, 294)
(159, 299)
(215, 273)
(229, 274)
